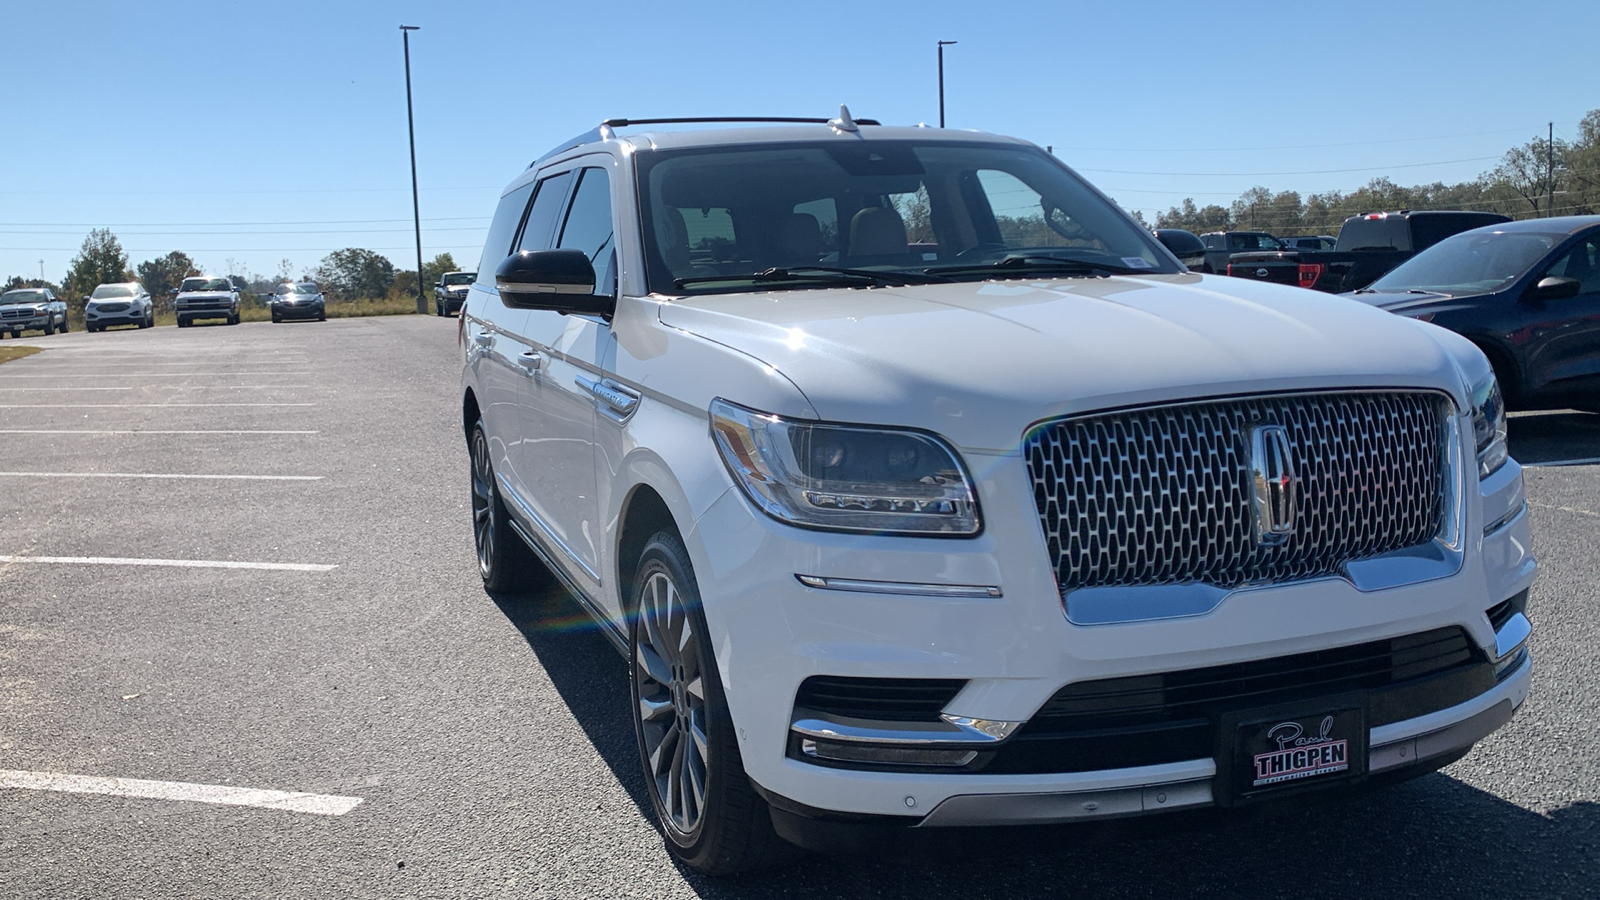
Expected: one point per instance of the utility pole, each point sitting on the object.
(942, 45)
(411, 128)
(1550, 173)
(41, 270)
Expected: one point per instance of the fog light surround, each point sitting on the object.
(884, 754)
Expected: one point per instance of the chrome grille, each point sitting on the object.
(22, 313)
(1163, 495)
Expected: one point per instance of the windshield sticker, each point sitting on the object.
(1136, 262)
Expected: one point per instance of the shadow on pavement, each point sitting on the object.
(1434, 836)
(1554, 437)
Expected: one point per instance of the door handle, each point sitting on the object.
(483, 339)
(532, 361)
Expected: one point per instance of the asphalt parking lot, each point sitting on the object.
(361, 720)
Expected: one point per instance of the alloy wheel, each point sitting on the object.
(483, 517)
(670, 684)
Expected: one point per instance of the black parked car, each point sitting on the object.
(1185, 245)
(1527, 293)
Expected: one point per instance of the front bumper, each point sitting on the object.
(299, 310)
(92, 316)
(203, 312)
(24, 323)
(451, 303)
(1005, 635)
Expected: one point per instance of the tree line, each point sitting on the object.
(348, 274)
(1522, 186)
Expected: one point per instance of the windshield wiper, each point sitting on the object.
(1020, 265)
(818, 275)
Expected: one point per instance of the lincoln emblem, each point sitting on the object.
(1272, 475)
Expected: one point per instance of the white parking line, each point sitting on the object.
(108, 431)
(171, 563)
(35, 390)
(132, 405)
(160, 475)
(221, 794)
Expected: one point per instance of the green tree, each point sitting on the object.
(433, 271)
(162, 275)
(354, 273)
(100, 261)
(1526, 172)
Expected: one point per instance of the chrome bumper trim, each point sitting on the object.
(958, 730)
(952, 591)
(1042, 809)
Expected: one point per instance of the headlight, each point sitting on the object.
(845, 477)
(1489, 426)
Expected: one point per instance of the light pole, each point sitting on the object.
(411, 128)
(942, 45)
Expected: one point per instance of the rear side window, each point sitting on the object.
(497, 246)
(540, 230)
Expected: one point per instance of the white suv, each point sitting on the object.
(922, 487)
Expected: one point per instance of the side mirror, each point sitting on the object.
(558, 280)
(1556, 288)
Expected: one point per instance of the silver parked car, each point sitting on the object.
(126, 303)
(28, 308)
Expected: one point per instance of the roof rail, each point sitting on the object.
(623, 123)
(604, 132)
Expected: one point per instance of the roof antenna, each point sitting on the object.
(844, 122)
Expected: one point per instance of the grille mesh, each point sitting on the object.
(1163, 495)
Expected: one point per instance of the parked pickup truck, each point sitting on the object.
(1368, 247)
(1221, 246)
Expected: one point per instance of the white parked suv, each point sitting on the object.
(922, 487)
(125, 303)
(206, 297)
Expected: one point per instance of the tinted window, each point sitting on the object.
(588, 226)
(540, 229)
(1429, 230)
(1476, 262)
(1581, 262)
(1375, 234)
(497, 246)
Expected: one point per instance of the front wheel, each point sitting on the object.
(711, 816)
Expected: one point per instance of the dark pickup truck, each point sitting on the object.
(1368, 247)
(1221, 246)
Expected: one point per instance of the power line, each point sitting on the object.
(223, 224)
(1444, 162)
(1287, 146)
(276, 191)
(212, 233)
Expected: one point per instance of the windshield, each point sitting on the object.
(799, 213)
(300, 289)
(1474, 262)
(460, 278)
(111, 292)
(22, 297)
(206, 284)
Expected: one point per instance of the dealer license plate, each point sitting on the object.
(1281, 752)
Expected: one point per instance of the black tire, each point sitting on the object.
(504, 561)
(276, 319)
(719, 825)
(64, 326)
(438, 308)
(50, 327)
(182, 322)
(322, 317)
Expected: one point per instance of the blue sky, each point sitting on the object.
(245, 134)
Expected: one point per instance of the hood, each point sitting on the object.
(205, 295)
(24, 304)
(1408, 303)
(980, 362)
